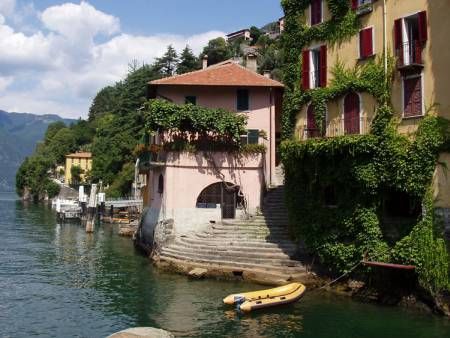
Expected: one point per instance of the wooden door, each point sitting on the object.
(413, 97)
(351, 114)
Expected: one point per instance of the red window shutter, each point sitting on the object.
(366, 42)
(423, 29)
(354, 4)
(398, 39)
(323, 66)
(305, 70)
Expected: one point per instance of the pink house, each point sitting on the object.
(195, 189)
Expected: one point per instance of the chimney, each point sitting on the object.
(251, 62)
(268, 74)
(205, 62)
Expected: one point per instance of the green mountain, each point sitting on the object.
(19, 134)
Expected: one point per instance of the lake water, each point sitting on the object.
(57, 281)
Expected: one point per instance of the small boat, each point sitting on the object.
(255, 300)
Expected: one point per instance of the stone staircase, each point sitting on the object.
(257, 249)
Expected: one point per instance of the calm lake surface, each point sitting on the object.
(57, 281)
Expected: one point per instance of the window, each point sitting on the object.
(252, 137)
(191, 100)
(314, 68)
(412, 97)
(352, 114)
(161, 184)
(242, 99)
(410, 37)
(316, 12)
(366, 43)
(313, 130)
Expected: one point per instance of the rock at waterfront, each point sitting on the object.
(198, 273)
(142, 332)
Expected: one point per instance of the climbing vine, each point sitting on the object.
(337, 189)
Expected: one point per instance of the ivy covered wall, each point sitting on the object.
(339, 190)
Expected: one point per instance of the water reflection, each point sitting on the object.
(58, 281)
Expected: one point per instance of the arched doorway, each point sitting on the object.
(220, 193)
(312, 128)
(352, 114)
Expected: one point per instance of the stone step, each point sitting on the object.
(230, 252)
(282, 277)
(236, 265)
(284, 245)
(241, 237)
(249, 229)
(288, 252)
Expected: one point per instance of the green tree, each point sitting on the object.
(52, 129)
(103, 103)
(217, 51)
(167, 64)
(188, 61)
(76, 172)
(255, 33)
(63, 143)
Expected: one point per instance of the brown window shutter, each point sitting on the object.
(354, 4)
(398, 39)
(423, 29)
(323, 66)
(305, 70)
(412, 97)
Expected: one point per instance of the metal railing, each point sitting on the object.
(410, 53)
(338, 127)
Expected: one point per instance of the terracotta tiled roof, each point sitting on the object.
(226, 73)
(80, 155)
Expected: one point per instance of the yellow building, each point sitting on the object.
(82, 160)
(416, 32)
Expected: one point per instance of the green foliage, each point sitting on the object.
(103, 103)
(217, 51)
(121, 185)
(357, 170)
(32, 175)
(76, 172)
(188, 61)
(167, 64)
(255, 33)
(183, 121)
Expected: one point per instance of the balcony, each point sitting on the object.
(409, 57)
(339, 127)
(364, 7)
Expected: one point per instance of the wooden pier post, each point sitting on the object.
(92, 205)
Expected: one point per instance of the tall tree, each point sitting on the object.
(188, 61)
(167, 64)
(217, 51)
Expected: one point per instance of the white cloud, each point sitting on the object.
(79, 21)
(7, 7)
(59, 69)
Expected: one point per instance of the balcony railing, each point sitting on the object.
(410, 54)
(339, 127)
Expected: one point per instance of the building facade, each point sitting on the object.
(415, 33)
(83, 160)
(196, 188)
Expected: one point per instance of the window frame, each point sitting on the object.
(311, 16)
(188, 97)
(237, 100)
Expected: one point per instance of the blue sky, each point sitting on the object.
(56, 55)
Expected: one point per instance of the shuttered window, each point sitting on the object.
(242, 99)
(191, 100)
(366, 43)
(316, 12)
(314, 68)
(305, 70)
(412, 91)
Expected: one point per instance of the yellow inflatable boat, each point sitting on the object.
(249, 301)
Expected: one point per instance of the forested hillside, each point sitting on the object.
(19, 133)
(115, 124)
